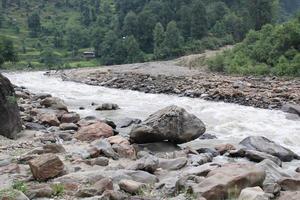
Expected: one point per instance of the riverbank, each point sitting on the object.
(169, 77)
(63, 155)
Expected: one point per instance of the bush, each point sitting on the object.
(217, 64)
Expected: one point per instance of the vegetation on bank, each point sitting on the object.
(55, 33)
(275, 49)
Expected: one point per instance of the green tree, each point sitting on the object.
(159, 37)
(50, 59)
(109, 48)
(34, 24)
(199, 23)
(130, 26)
(173, 40)
(262, 12)
(133, 51)
(7, 51)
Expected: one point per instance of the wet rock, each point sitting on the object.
(126, 122)
(207, 136)
(108, 106)
(172, 123)
(201, 159)
(68, 127)
(46, 167)
(148, 163)
(265, 145)
(208, 150)
(291, 108)
(290, 184)
(130, 186)
(257, 156)
(172, 164)
(70, 118)
(94, 131)
(10, 121)
(223, 148)
(105, 148)
(54, 103)
(49, 119)
(228, 180)
(254, 193)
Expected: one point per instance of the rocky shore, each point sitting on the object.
(60, 155)
(168, 78)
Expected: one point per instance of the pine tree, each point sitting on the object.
(34, 24)
(199, 23)
(130, 26)
(159, 37)
(173, 40)
(134, 53)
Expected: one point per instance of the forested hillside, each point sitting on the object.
(274, 49)
(55, 33)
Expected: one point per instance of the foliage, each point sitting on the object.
(58, 189)
(109, 26)
(20, 185)
(274, 49)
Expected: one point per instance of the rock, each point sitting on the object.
(130, 186)
(10, 121)
(290, 184)
(53, 148)
(254, 193)
(223, 148)
(291, 108)
(13, 194)
(289, 195)
(274, 174)
(128, 122)
(186, 182)
(108, 106)
(172, 164)
(103, 185)
(34, 126)
(201, 159)
(46, 167)
(55, 103)
(125, 150)
(208, 150)
(100, 161)
(148, 163)
(158, 147)
(49, 119)
(207, 136)
(68, 127)
(41, 96)
(70, 118)
(172, 123)
(118, 140)
(262, 144)
(105, 148)
(94, 131)
(228, 181)
(257, 156)
(201, 170)
(39, 191)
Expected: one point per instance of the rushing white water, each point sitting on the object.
(229, 122)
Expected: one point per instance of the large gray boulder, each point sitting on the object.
(173, 124)
(262, 144)
(10, 122)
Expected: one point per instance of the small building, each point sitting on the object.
(89, 54)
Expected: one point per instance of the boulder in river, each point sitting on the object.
(108, 106)
(10, 121)
(173, 124)
(291, 108)
(54, 103)
(262, 144)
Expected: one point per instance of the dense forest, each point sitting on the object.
(36, 33)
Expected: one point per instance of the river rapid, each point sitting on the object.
(229, 122)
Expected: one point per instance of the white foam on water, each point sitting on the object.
(229, 122)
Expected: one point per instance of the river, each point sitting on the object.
(229, 122)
